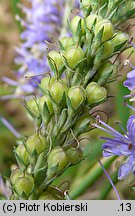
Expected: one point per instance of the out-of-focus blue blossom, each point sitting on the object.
(5, 191)
(121, 145)
(10, 127)
(42, 21)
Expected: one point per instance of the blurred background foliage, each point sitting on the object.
(14, 111)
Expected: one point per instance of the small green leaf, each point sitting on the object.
(46, 116)
(53, 66)
(19, 161)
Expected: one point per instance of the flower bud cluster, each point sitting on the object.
(115, 10)
(97, 37)
(39, 163)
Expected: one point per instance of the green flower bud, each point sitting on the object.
(46, 82)
(83, 124)
(95, 93)
(57, 90)
(77, 96)
(23, 185)
(35, 143)
(32, 104)
(86, 3)
(57, 161)
(14, 197)
(91, 19)
(85, 7)
(52, 193)
(107, 49)
(66, 42)
(74, 55)
(120, 40)
(108, 29)
(74, 155)
(74, 24)
(22, 153)
(15, 174)
(57, 59)
(104, 72)
(46, 99)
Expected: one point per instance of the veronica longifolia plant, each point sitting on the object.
(81, 67)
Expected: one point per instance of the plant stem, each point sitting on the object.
(16, 11)
(110, 180)
(123, 112)
(80, 186)
(107, 187)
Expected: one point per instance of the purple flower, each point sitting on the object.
(121, 145)
(130, 81)
(4, 188)
(42, 20)
(10, 127)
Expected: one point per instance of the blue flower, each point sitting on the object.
(42, 20)
(130, 81)
(10, 127)
(4, 189)
(121, 145)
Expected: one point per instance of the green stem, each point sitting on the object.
(76, 79)
(80, 186)
(88, 76)
(16, 11)
(107, 187)
(123, 112)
